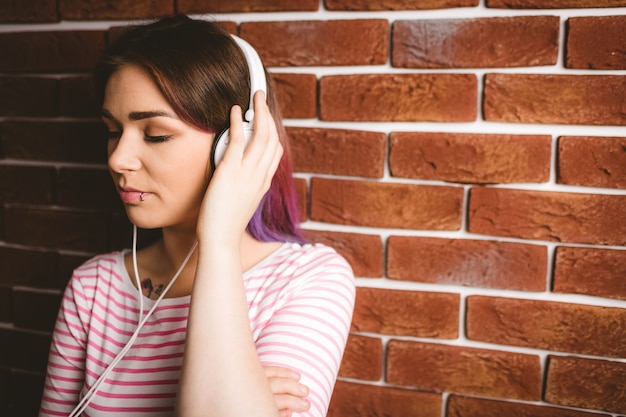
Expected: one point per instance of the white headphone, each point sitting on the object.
(257, 82)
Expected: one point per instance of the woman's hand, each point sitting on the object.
(289, 394)
(242, 177)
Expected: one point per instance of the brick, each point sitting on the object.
(5, 303)
(553, 4)
(67, 264)
(25, 392)
(470, 158)
(477, 407)
(35, 310)
(363, 252)
(564, 327)
(35, 184)
(28, 267)
(363, 358)
(122, 232)
(596, 42)
(586, 383)
(590, 271)
(55, 51)
(28, 11)
(555, 99)
(28, 96)
(406, 313)
(114, 9)
(592, 161)
(338, 151)
(245, 6)
(302, 193)
(23, 349)
(359, 400)
(72, 230)
(391, 205)
(396, 4)
(87, 188)
(476, 43)
(77, 97)
(296, 95)
(319, 43)
(552, 216)
(477, 263)
(463, 370)
(399, 97)
(82, 142)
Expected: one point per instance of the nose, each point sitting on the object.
(124, 154)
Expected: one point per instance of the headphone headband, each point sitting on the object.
(257, 74)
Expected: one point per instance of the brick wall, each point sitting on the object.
(468, 157)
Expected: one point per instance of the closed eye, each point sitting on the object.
(157, 139)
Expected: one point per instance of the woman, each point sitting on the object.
(235, 308)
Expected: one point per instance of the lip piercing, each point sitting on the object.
(141, 196)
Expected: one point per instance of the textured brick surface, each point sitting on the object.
(592, 161)
(28, 96)
(28, 11)
(586, 383)
(23, 350)
(470, 158)
(363, 252)
(564, 327)
(552, 216)
(596, 42)
(22, 385)
(555, 99)
(77, 97)
(35, 185)
(32, 268)
(386, 204)
(476, 43)
(406, 313)
(338, 151)
(476, 407)
(243, 6)
(477, 263)
(553, 4)
(296, 95)
(302, 193)
(114, 9)
(396, 4)
(463, 370)
(101, 196)
(363, 358)
(358, 400)
(590, 271)
(399, 97)
(312, 43)
(41, 318)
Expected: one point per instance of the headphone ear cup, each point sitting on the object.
(221, 142)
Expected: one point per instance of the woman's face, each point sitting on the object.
(159, 164)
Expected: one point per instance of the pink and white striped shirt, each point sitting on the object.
(300, 303)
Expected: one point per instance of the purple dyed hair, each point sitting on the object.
(202, 73)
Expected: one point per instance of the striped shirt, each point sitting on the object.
(300, 302)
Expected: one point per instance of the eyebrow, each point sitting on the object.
(138, 115)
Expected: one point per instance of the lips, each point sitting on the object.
(130, 195)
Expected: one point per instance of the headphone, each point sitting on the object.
(257, 82)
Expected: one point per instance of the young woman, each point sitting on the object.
(229, 313)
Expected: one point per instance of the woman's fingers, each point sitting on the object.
(289, 394)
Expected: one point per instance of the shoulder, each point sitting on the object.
(105, 268)
(316, 257)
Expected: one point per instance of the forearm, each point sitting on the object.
(222, 375)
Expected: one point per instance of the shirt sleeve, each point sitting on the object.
(308, 332)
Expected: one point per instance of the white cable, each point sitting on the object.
(82, 405)
(136, 271)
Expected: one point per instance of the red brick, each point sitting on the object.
(82, 142)
(476, 407)
(564, 327)
(555, 99)
(338, 151)
(476, 43)
(28, 267)
(553, 4)
(596, 42)
(378, 204)
(470, 158)
(28, 11)
(317, 42)
(25, 350)
(590, 271)
(396, 4)
(57, 229)
(296, 95)
(363, 358)
(358, 400)
(301, 191)
(399, 97)
(36, 310)
(35, 184)
(592, 161)
(114, 9)
(586, 383)
(363, 252)
(77, 97)
(28, 96)
(406, 313)
(58, 51)
(87, 188)
(552, 216)
(245, 6)
(477, 263)
(463, 370)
